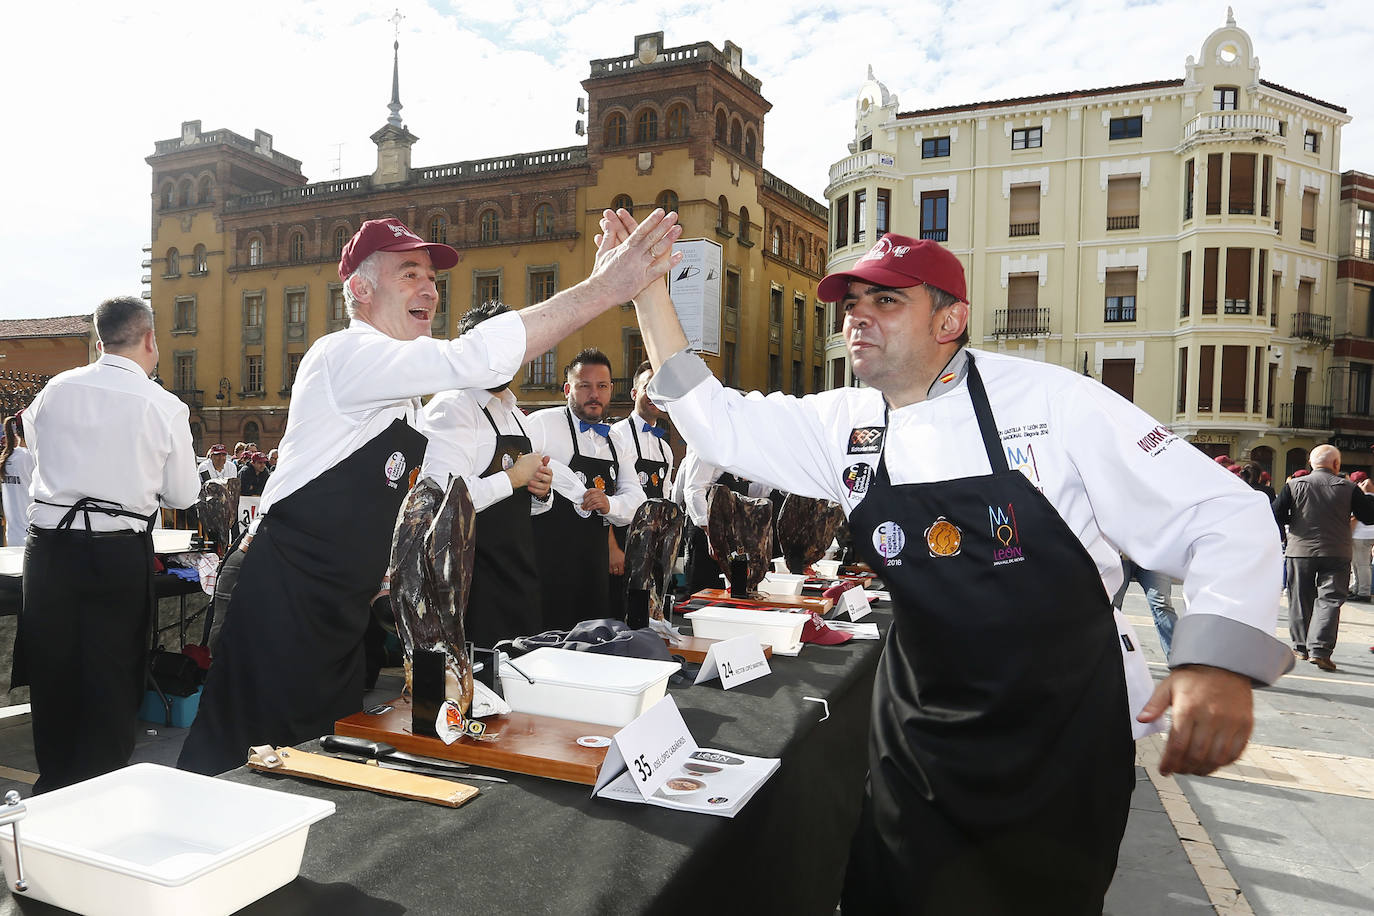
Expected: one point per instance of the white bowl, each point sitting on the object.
(782, 584)
(152, 840)
(827, 568)
(585, 686)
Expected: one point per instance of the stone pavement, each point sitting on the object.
(1283, 832)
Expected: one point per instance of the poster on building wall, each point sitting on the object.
(695, 287)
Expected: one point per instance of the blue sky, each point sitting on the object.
(482, 78)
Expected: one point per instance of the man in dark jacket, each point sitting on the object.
(253, 477)
(1317, 509)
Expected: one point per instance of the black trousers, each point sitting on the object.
(85, 643)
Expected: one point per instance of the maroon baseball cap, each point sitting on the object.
(390, 235)
(217, 450)
(900, 261)
(816, 630)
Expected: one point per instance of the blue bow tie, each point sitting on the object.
(601, 429)
(658, 431)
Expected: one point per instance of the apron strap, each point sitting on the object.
(491, 421)
(90, 504)
(997, 455)
(572, 432)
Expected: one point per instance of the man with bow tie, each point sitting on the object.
(646, 429)
(571, 541)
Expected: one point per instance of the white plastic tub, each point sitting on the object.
(827, 568)
(152, 840)
(784, 584)
(778, 629)
(169, 540)
(585, 686)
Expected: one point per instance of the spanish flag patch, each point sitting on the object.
(947, 377)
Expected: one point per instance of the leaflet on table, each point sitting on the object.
(708, 782)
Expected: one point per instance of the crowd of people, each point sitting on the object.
(995, 775)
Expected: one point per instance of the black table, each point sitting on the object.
(539, 846)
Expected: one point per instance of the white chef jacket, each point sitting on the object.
(229, 470)
(654, 448)
(14, 491)
(109, 432)
(1116, 476)
(697, 477)
(551, 425)
(354, 383)
(461, 441)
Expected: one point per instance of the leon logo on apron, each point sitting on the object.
(1002, 522)
(395, 469)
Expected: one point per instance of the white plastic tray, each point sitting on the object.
(778, 629)
(152, 840)
(585, 686)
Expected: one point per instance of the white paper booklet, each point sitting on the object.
(707, 782)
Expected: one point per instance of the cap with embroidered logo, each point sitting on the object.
(899, 262)
(390, 235)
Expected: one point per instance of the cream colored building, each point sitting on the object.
(1176, 239)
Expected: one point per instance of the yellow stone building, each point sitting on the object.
(1175, 239)
(244, 252)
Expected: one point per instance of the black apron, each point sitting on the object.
(82, 641)
(701, 569)
(653, 474)
(504, 600)
(572, 552)
(290, 657)
(1001, 758)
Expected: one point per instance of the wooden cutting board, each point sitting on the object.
(694, 648)
(819, 605)
(530, 744)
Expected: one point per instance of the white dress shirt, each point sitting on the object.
(354, 383)
(461, 441)
(1115, 475)
(208, 466)
(550, 426)
(652, 447)
(14, 491)
(109, 432)
(697, 477)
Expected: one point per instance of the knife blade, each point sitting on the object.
(377, 750)
(386, 763)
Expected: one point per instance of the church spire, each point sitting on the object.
(395, 105)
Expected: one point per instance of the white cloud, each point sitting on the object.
(92, 91)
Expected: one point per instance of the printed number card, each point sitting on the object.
(735, 661)
(652, 747)
(854, 602)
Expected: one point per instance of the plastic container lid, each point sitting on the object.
(590, 670)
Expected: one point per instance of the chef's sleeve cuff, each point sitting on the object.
(504, 337)
(1222, 642)
(679, 374)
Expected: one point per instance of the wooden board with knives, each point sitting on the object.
(517, 742)
(288, 761)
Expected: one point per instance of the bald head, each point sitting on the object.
(1325, 456)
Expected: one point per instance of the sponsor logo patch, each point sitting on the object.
(643, 479)
(395, 468)
(944, 538)
(1156, 440)
(857, 477)
(888, 540)
(507, 461)
(1002, 524)
(866, 440)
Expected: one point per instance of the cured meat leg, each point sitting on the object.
(650, 549)
(409, 591)
(217, 506)
(739, 525)
(806, 527)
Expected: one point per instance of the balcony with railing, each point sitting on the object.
(1316, 328)
(1020, 322)
(1307, 235)
(1304, 416)
(1019, 229)
(1236, 307)
(1216, 126)
(860, 163)
(935, 235)
(1123, 222)
(1119, 308)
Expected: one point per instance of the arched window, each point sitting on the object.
(744, 224)
(489, 225)
(206, 191)
(255, 252)
(623, 202)
(173, 262)
(750, 145)
(646, 126)
(614, 135)
(251, 432)
(438, 230)
(169, 195)
(777, 241)
(677, 121)
(720, 125)
(297, 248)
(188, 192)
(667, 201)
(200, 264)
(340, 240)
(799, 253)
(736, 129)
(723, 216)
(543, 220)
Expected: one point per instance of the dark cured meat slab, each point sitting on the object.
(650, 549)
(806, 527)
(216, 510)
(738, 524)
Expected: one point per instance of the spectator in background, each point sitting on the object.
(1361, 540)
(254, 475)
(272, 460)
(16, 472)
(239, 460)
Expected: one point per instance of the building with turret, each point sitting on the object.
(245, 247)
(1177, 239)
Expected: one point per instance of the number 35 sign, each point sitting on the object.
(652, 747)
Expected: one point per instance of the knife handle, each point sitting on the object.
(358, 746)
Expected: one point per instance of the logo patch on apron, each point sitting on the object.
(395, 468)
(944, 538)
(888, 540)
(857, 477)
(644, 478)
(1002, 524)
(507, 461)
(866, 440)
(598, 482)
